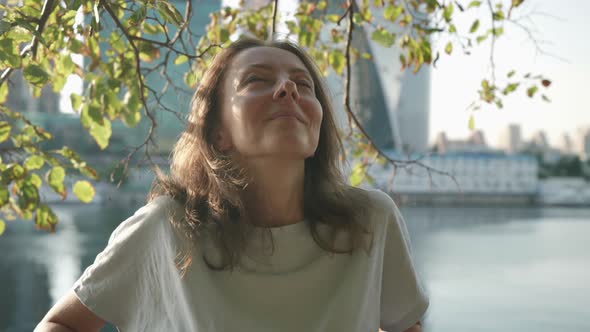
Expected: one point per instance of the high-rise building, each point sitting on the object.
(566, 144)
(586, 144)
(407, 94)
(393, 106)
(511, 138)
(368, 97)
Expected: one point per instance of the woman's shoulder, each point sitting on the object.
(147, 223)
(375, 200)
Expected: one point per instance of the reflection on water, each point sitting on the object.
(503, 269)
(38, 268)
(486, 269)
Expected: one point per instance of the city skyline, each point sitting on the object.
(567, 67)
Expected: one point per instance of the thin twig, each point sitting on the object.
(493, 46)
(149, 138)
(347, 79)
(274, 18)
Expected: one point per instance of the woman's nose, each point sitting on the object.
(287, 90)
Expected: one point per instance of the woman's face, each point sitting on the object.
(268, 106)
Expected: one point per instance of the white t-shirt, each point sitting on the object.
(134, 284)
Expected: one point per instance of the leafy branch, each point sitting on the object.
(131, 80)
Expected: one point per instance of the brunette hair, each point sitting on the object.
(207, 183)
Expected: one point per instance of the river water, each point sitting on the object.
(486, 269)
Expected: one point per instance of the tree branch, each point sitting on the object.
(141, 83)
(46, 10)
(353, 118)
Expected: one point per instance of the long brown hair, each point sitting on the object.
(208, 184)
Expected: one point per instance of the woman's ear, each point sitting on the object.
(222, 140)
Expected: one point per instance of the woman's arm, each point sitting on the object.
(415, 328)
(70, 315)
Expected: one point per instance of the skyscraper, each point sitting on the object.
(511, 138)
(407, 94)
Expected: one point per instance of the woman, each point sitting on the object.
(255, 228)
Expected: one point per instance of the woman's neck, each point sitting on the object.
(274, 195)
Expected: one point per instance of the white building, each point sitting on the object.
(472, 177)
(476, 142)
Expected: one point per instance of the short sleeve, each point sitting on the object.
(125, 275)
(403, 299)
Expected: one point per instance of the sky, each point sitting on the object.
(561, 27)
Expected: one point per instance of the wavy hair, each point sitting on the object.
(208, 184)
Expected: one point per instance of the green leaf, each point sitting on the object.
(516, 3)
(474, 26)
(169, 13)
(392, 12)
(474, 4)
(14, 172)
(65, 65)
(55, 179)
(45, 218)
(448, 12)
(531, 91)
(180, 59)
(337, 61)
(3, 196)
(35, 75)
(95, 114)
(3, 92)
(332, 18)
(89, 172)
(151, 29)
(510, 88)
(471, 122)
(2, 226)
(117, 42)
(131, 118)
(449, 48)
(545, 98)
(9, 53)
(34, 179)
(383, 37)
(511, 73)
(84, 117)
(138, 16)
(481, 38)
(94, 46)
(497, 31)
(4, 131)
(191, 77)
(498, 16)
(29, 197)
(321, 5)
(34, 162)
(76, 102)
(84, 191)
(4, 27)
(101, 133)
(452, 28)
(223, 35)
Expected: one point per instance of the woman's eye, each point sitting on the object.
(254, 79)
(304, 83)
